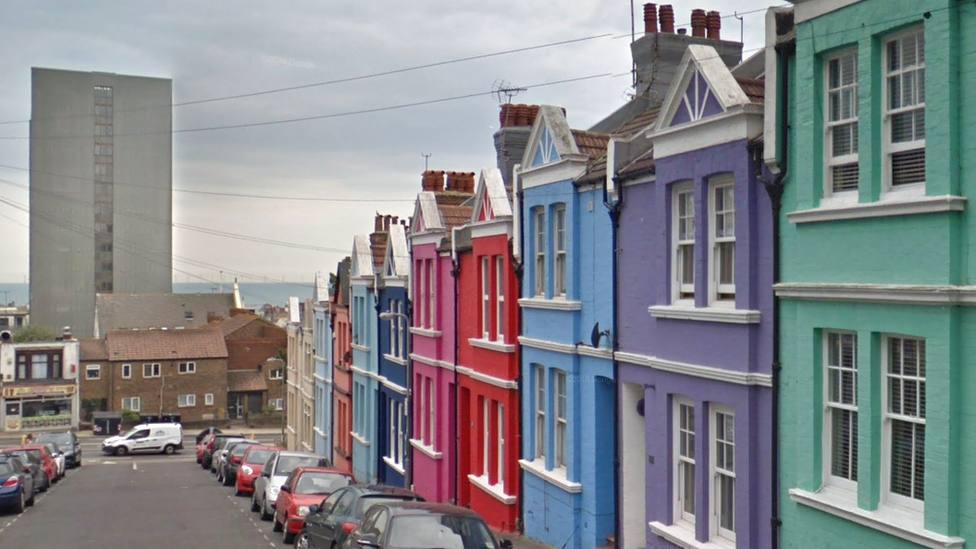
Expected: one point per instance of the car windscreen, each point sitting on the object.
(258, 457)
(239, 449)
(444, 532)
(287, 464)
(222, 443)
(38, 455)
(6, 468)
(368, 501)
(312, 482)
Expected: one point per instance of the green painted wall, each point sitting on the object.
(929, 249)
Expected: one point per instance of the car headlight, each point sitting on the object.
(273, 492)
(247, 470)
(302, 511)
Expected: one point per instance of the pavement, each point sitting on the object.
(521, 542)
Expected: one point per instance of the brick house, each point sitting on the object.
(157, 372)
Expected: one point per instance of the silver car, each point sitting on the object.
(273, 475)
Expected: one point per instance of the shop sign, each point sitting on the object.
(39, 391)
(38, 422)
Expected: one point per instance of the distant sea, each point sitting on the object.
(255, 294)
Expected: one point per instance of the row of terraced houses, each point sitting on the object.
(733, 313)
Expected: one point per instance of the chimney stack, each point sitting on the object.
(396, 220)
(377, 224)
(433, 181)
(650, 18)
(386, 223)
(453, 183)
(713, 24)
(666, 15)
(698, 20)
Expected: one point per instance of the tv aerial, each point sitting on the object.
(504, 91)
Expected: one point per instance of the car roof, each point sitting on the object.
(382, 489)
(287, 453)
(301, 470)
(428, 508)
(265, 447)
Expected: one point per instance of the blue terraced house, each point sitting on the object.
(322, 338)
(568, 385)
(367, 256)
(393, 434)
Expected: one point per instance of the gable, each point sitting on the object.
(697, 102)
(550, 140)
(491, 197)
(546, 151)
(485, 213)
(703, 87)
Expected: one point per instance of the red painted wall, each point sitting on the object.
(342, 388)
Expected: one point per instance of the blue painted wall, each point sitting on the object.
(393, 379)
(322, 335)
(364, 321)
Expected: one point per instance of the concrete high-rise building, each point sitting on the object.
(100, 192)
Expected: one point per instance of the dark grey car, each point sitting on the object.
(67, 443)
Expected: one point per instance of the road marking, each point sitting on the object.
(135, 466)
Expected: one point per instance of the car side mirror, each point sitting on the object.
(314, 509)
(285, 488)
(368, 540)
(505, 544)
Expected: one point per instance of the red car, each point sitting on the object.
(202, 447)
(252, 462)
(44, 456)
(304, 487)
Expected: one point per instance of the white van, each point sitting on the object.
(148, 437)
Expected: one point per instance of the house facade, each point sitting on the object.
(252, 386)
(40, 387)
(322, 356)
(568, 376)
(488, 359)
(300, 377)
(875, 283)
(438, 211)
(341, 369)
(393, 417)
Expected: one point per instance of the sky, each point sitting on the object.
(361, 164)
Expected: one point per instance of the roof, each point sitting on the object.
(642, 164)
(454, 216)
(723, 87)
(362, 265)
(430, 508)
(93, 349)
(491, 189)
(230, 325)
(244, 381)
(399, 253)
(591, 144)
(144, 311)
(755, 89)
(596, 170)
(638, 122)
(135, 345)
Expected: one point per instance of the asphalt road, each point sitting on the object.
(145, 501)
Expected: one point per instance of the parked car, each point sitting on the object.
(405, 525)
(57, 455)
(219, 453)
(214, 444)
(252, 462)
(304, 487)
(33, 464)
(329, 523)
(44, 456)
(209, 431)
(68, 443)
(165, 438)
(16, 484)
(227, 475)
(202, 447)
(273, 475)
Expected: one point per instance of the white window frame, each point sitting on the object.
(401, 323)
(486, 441)
(393, 328)
(560, 385)
(681, 517)
(279, 371)
(278, 403)
(501, 445)
(540, 412)
(680, 292)
(540, 252)
(485, 297)
(829, 407)
(400, 421)
(421, 317)
(190, 367)
(716, 288)
(432, 294)
(500, 298)
(186, 401)
(126, 371)
(849, 196)
(889, 148)
(716, 472)
(154, 368)
(135, 404)
(208, 399)
(432, 411)
(559, 279)
(97, 368)
(421, 393)
(889, 417)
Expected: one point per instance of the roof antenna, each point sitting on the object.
(742, 26)
(504, 92)
(426, 157)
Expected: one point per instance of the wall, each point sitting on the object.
(210, 377)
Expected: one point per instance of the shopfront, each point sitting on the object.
(40, 385)
(40, 407)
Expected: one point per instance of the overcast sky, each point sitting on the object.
(220, 48)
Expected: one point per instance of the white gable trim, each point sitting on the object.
(562, 135)
(736, 125)
(695, 370)
(491, 187)
(566, 169)
(427, 238)
(723, 86)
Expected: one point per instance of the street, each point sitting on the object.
(148, 500)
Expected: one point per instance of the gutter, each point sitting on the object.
(614, 208)
(519, 267)
(456, 274)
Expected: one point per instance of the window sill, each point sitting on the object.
(428, 451)
(683, 537)
(395, 360)
(358, 347)
(555, 477)
(886, 207)
(556, 304)
(907, 525)
(705, 314)
(358, 438)
(492, 345)
(497, 491)
(393, 465)
(425, 332)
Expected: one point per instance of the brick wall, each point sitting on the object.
(246, 354)
(210, 377)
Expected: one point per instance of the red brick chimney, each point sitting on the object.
(713, 24)
(386, 223)
(378, 224)
(666, 15)
(471, 181)
(432, 181)
(452, 182)
(650, 18)
(698, 20)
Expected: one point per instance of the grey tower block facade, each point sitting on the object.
(101, 160)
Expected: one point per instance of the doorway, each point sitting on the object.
(633, 449)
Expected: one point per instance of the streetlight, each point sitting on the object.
(408, 463)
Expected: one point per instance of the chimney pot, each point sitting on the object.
(377, 226)
(396, 220)
(682, 32)
(698, 21)
(666, 15)
(650, 18)
(386, 223)
(713, 24)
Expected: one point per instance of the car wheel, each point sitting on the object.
(301, 541)
(287, 537)
(169, 449)
(47, 484)
(121, 451)
(21, 504)
(265, 515)
(227, 481)
(277, 526)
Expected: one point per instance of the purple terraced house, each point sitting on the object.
(694, 283)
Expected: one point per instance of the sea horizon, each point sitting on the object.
(254, 294)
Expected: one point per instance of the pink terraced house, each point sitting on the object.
(438, 210)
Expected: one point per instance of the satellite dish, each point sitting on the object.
(595, 335)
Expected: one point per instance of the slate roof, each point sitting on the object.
(755, 89)
(399, 252)
(144, 311)
(591, 144)
(244, 381)
(93, 349)
(491, 187)
(142, 345)
(455, 216)
(596, 170)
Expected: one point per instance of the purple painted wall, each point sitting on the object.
(644, 279)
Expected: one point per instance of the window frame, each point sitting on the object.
(486, 437)
(887, 147)
(682, 518)
(127, 371)
(432, 293)
(539, 227)
(188, 401)
(208, 399)
(421, 316)
(560, 420)
(889, 417)
(830, 196)
(560, 271)
(500, 440)
(715, 288)
(279, 371)
(401, 324)
(540, 412)
(155, 370)
(132, 400)
(500, 298)
(97, 368)
(191, 368)
(432, 411)
(485, 297)
(682, 293)
(827, 441)
(714, 491)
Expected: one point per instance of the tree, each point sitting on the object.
(35, 333)
(333, 283)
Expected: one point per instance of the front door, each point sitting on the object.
(254, 403)
(235, 405)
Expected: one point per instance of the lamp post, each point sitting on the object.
(408, 462)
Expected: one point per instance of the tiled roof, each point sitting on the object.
(230, 325)
(137, 345)
(643, 163)
(591, 144)
(454, 216)
(144, 311)
(93, 349)
(638, 122)
(597, 169)
(755, 90)
(378, 246)
(451, 198)
(243, 381)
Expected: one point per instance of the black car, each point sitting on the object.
(416, 525)
(327, 525)
(217, 455)
(213, 446)
(32, 464)
(16, 484)
(207, 431)
(67, 443)
(227, 475)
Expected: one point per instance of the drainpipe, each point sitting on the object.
(614, 208)
(456, 274)
(519, 266)
(774, 188)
